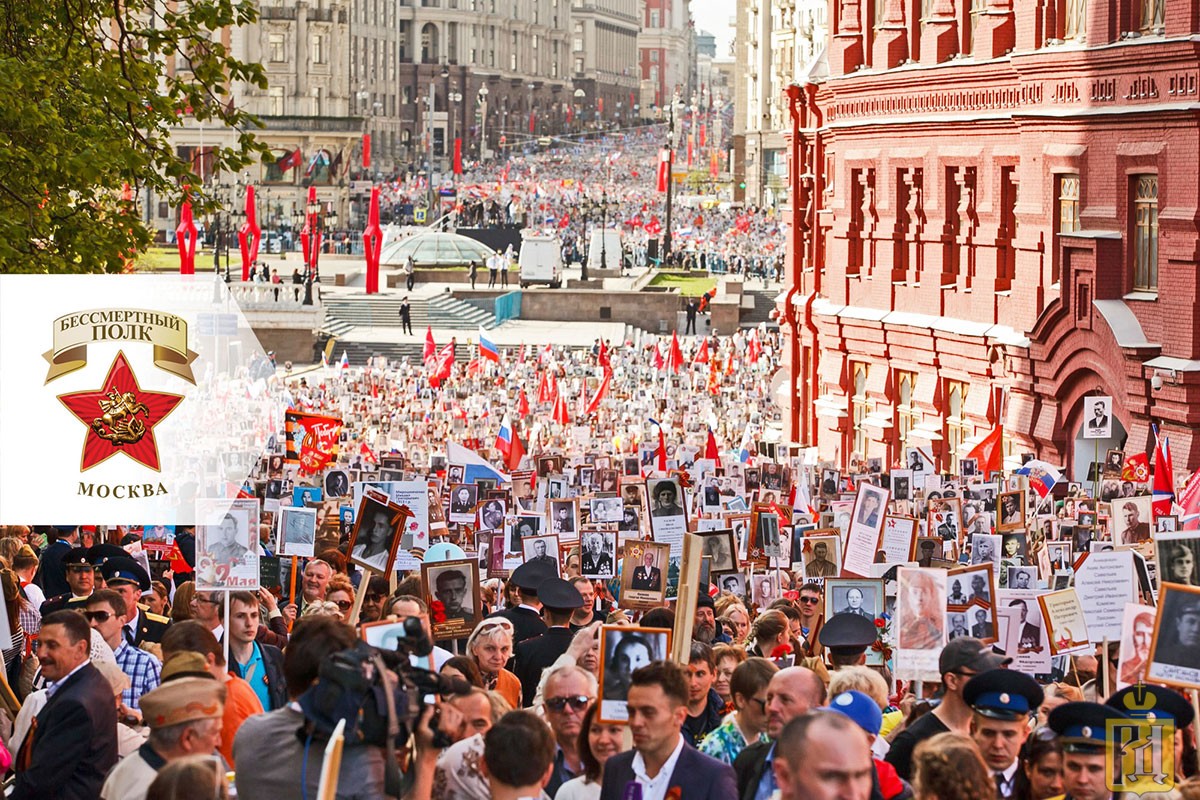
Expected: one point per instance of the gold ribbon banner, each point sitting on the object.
(166, 332)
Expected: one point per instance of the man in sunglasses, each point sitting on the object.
(81, 580)
(810, 615)
(106, 614)
(568, 692)
(127, 578)
(372, 606)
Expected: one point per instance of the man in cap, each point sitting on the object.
(106, 613)
(959, 661)
(864, 712)
(526, 617)
(847, 637)
(184, 717)
(52, 575)
(1160, 704)
(1003, 700)
(1083, 732)
(127, 578)
(559, 601)
(81, 581)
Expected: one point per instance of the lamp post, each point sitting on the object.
(580, 96)
(483, 96)
(670, 176)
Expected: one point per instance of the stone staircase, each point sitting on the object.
(440, 311)
(757, 305)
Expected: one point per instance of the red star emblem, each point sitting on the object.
(120, 417)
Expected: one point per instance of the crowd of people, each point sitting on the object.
(773, 659)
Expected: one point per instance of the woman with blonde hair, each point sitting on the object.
(948, 766)
(736, 622)
(490, 646)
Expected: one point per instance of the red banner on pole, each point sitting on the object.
(312, 440)
(366, 151)
(185, 238)
(664, 169)
(458, 165)
(373, 242)
(249, 235)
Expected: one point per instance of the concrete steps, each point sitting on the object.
(757, 304)
(343, 314)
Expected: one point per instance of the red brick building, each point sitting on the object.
(996, 194)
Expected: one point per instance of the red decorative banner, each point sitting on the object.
(312, 439)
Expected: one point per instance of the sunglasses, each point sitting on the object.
(373, 597)
(578, 702)
(98, 616)
(810, 600)
(344, 605)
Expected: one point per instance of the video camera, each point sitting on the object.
(379, 693)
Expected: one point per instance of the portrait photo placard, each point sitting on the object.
(899, 538)
(1066, 625)
(564, 519)
(1178, 556)
(720, 546)
(863, 597)
(866, 526)
(452, 590)
(227, 544)
(542, 550)
(463, 499)
(822, 555)
(378, 526)
(668, 509)
(1098, 415)
(920, 621)
(624, 649)
(644, 574)
(297, 532)
(1175, 651)
(1137, 635)
(598, 558)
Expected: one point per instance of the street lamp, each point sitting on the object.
(670, 176)
(483, 96)
(580, 96)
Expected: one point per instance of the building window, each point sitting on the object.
(429, 43)
(907, 415)
(1145, 232)
(277, 47)
(653, 56)
(1066, 218)
(859, 408)
(654, 18)
(957, 428)
(1152, 16)
(317, 49)
(1075, 19)
(275, 99)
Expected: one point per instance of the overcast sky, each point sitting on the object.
(716, 17)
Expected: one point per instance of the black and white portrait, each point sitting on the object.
(732, 582)
(542, 550)
(337, 483)
(719, 546)
(463, 497)
(297, 531)
(1178, 556)
(1022, 578)
(666, 499)
(376, 534)
(901, 484)
(764, 589)
(985, 548)
(606, 509)
(1097, 415)
(598, 560)
(491, 515)
(624, 650)
(563, 518)
(1175, 654)
(851, 596)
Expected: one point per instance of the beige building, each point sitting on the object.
(604, 55)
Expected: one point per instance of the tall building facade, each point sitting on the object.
(994, 216)
(604, 57)
(666, 53)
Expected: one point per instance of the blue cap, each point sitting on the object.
(1142, 701)
(1003, 694)
(860, 708)
(1083, 727)
(124, 570)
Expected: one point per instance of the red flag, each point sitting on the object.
(989, 452)
(366, 150)
(430, 347)
(1136, 468)
(516, 451)
(712, 452)
(458, 167)
(653, 227)
(290, 161)
(311, 439)
(675, 359)
(565, 220)
(602, 357)
(442, 365)
(662, 450)
(689, 151)
(1163, 488)
(367, 453)
(714, 165)
(664, 169)
(1189, 501)
(600, 392)
(522, 404)
(658, 358)
(178, 563)
(702, 353)
(559, 412)
(703, 134)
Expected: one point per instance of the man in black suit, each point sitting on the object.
(81, 582)
(646, 576)
(127, 578)
(657, 705)
(793, 691)
(74, 741)
(526, 617)
(51, 574)
(1099, 420)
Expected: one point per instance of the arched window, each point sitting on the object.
(429, 44)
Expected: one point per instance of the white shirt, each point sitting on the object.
(1008, 775)
(656, 788)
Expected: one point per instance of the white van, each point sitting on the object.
(605, 246)
(540, 260)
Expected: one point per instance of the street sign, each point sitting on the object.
(419, 216)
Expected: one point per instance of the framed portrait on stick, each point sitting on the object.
(227, 544)
(452, 592)
(644, 574)
(1175, 651)
(378, 526)
(623, 650)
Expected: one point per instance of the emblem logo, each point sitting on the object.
(1142, 756)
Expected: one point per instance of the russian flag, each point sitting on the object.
(744, 451)
(345, 362)
(504, 437)
(1042, 476)
(487, 349)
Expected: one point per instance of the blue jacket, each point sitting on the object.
(697, 776)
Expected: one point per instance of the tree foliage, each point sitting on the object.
(93, 89)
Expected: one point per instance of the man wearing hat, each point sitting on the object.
(127, 578)
(1003, 700)
(184, 717)
(559, 600)
(526, 617)
(860, 709)
(1083, 731)
(1143, 701)
(959, 661)
(81, 581)
(51, 575)
(847, 637)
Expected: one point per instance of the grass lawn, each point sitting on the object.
(162, 259)
(688, 286)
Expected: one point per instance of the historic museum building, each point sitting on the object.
(994, 216)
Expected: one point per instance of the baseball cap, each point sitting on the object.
(967, 652)
(860, 708)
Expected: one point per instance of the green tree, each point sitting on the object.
(92, 91)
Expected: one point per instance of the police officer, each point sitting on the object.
(1083, 731)
(559, 601)
(847, 636)
(127, 578)
(81, 578)
(526, 617)
(1002, 701)
(1157, 704)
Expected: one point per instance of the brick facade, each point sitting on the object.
(927, 169)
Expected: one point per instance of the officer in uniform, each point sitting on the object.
(527, 616)
(1002, 700)
(1082, 730)
(559, 599)
(81, 578)
(1157, 703)
(126, 577)
(847, 636)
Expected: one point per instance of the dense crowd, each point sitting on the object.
(553, 634)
